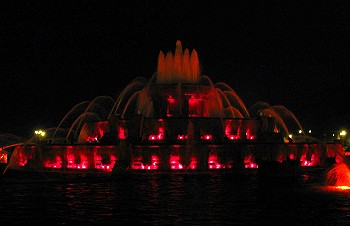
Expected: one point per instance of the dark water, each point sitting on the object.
(173, 199)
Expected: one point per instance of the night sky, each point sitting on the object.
(54, 55)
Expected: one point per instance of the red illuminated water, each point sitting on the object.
(178, 67)
(172, 199)
(339, 175)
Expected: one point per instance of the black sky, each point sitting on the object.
(54, 54)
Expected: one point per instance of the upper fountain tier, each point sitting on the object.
(180, 67)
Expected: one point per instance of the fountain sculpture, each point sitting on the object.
(179, 120)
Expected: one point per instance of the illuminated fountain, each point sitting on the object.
(339, 176)
(179, 120)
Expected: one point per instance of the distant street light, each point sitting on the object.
(40, 134)
(342, 133)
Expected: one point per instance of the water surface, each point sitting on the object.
(177, 199)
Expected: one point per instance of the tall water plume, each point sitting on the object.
(178, 67)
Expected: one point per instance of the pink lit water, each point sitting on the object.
(173, 199)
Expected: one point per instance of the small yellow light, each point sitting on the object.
(40, 132)
(343, 187)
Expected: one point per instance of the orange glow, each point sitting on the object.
(3, 157)
(339, 175)
(162, 70)
(182, 66)
(343, 187)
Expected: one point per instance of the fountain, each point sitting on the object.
(179, 120)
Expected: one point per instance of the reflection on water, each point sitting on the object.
(157, 199)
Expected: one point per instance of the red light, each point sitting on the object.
(154, 158)
(73, 165)
(159, 136)
(92, 139)
(171, 100)
(291, 156)
(305, 162)
(207, 137)
(175, 162)
(195, 106)
(107, 167)
(250, 165)
(57, 163)
(3, 157)
(22, 159)
(136, 164)
(249, 135)
(182, 137)
(213, 162)
(249, 162)
(121, 133)
(154, 164)
(172, 107)
(231, 136)
(193, 163)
